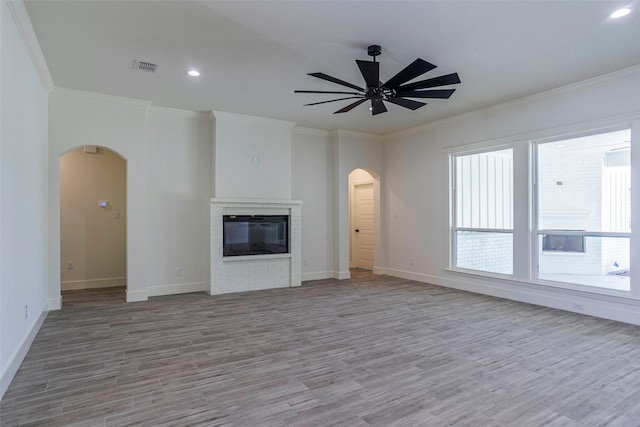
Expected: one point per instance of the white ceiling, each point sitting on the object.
(253, 54)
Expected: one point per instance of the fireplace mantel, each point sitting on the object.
(254, 272)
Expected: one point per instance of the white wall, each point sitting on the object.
(23, 199)
(312, 183)
(93, 238)
(178, 192)
(417, 185)
(355, 150)
(252, 157)
(168, 155)
(77, 119)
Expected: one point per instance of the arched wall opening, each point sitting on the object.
(77, 119)
(363, 178)
(351, 151)
(93, 219)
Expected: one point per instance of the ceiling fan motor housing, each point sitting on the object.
(374, 50)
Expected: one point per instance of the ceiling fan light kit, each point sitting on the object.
(396, 90)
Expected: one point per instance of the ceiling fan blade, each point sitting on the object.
(438, 93)
(377, 107)
(407, 103)
(328, 78)
(331, 100)
(325, 91)
(448, 79)
(411, 71)
(350, 106)
(370, 71)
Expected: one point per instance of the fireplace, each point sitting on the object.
(255, 244)
(255, 235)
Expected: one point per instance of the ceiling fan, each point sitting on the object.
(395, 90)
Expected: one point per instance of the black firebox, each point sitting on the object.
(255, 234)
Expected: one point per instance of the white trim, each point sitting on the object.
(198, 115)
(379, 270)
(594, 81)
(583, 233)
(241, 202)
(102, 97)
(54, 303)
(480, 147)
(301, 130)
(261, 120)
(135, 296)
(341, 133)
(608, 307)
(177, 288)
(342, 275)
(317, 275)
(108, 282)
(544, 135)
(20, 16)
(485, 230)
(256, 257)
(18, 356)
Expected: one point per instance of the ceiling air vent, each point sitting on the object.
(145, 66)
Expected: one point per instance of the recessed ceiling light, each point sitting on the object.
(194, 73)
(620, 13)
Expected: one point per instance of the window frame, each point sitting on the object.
(538, 233)
(454, 154)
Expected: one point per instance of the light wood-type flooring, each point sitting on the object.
(370, 351)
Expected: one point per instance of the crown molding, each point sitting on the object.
(301, 130)
(198, 115)
(102, 97)
(20, 16)
(344, 133)
(259, 120)
(572, 87)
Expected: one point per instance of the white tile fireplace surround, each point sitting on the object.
(253, 272)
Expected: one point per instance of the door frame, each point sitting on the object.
(353, 183)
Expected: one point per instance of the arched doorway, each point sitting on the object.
(363, 221)
(93, 222)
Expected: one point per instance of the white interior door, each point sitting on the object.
(363, 233)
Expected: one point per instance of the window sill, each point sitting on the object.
(573, 289)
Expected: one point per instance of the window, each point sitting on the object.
(483, 211)
(584, 210)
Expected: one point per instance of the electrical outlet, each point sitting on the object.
(70, 265)
(305, 262)
(577, 306)
(410, 261)
(178, 271)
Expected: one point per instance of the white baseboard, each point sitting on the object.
(379, 270)
(317, 275)
(341, 275)
(54, 303)
(135, 296)
(19, 355)
(109, 282)
(625, 310)
(176, 288)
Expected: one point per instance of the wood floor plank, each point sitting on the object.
(370, 351)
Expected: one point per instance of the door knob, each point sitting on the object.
(357, 230)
